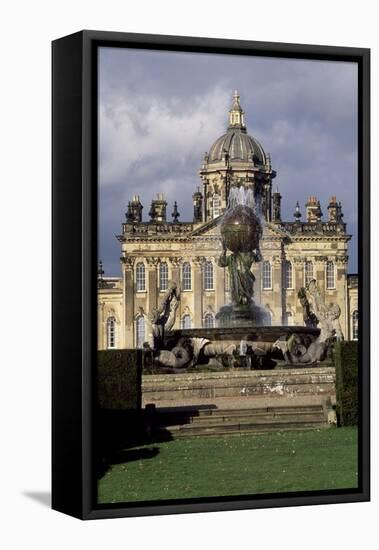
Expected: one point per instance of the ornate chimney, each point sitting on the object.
(334, 210)
(158, 209)
(134, 213)
(276, 210)
(313, 209)
(197, 206)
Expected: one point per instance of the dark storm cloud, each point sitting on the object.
(159, 112)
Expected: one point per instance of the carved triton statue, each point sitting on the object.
(301, 349)
(162, 319)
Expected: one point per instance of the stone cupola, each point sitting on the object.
(234, 159)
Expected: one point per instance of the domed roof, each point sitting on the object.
(239, 146)
(236, 142)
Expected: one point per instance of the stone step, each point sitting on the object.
(240, 428)
(245, 418)
(197, 411)
(241, 416)
(196, 421)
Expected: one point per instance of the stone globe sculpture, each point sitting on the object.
(241, 229)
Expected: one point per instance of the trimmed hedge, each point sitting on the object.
(346, 363)
(119, 381)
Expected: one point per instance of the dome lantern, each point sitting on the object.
(236, 144)
(236, 114)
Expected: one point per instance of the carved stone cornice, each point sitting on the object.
(298, 260)
(198, 261)
(343, 259)
(128, 261)
(152, 261)
(109, 311)
(321, 259)
(174, 261)
(276, 261)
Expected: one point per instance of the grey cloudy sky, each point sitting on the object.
(160, 111)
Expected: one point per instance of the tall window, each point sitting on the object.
(140, 331)
(308, 272)
(140, 277)
(186, 321)
(163, 276)
(216, 205)
(355, 325)
(186, 276)
(288, 319)
(330, 275)
(288, 283)
(209, 321)
(208, 276)
(267, 276)
(111, 333)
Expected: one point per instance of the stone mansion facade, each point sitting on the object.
(156, 251)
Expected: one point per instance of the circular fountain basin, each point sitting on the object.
(233, 335)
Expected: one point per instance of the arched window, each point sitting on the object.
(186, 321)
(163, 276)
(186, 276)
(140, 277)
(209, 321)
(111, 333)
(140, 331)
(288, 282)
(288, 319)
(308, 272)
(267, 276)
(216, 205)
(330, 275)
(355, 325)
(208, 276)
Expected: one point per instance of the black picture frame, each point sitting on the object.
(74, 204)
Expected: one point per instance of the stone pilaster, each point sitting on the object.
(219, 282)
(298, 281)
(319, 273)
(197, 264)
(256, 269)
(277, 284)
(175, 269)
(152, 283)
(100, 326)
(341, 291)
(128, 299)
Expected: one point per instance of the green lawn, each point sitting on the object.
(234, 465)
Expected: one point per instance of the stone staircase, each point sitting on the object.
(193, 421)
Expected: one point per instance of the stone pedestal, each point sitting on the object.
(249, 315)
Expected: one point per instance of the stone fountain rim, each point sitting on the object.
(248, 332)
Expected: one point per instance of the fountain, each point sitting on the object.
(243, 337)
(241, 230)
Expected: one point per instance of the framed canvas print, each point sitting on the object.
(210, 274)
